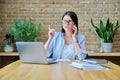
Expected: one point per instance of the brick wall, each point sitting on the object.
(50, 12)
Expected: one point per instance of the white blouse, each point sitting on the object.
(67, 52)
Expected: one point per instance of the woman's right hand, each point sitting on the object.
(51, 32)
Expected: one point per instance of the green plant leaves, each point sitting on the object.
(96, 29)
(106, 32)
(24, 30)
(102, 28)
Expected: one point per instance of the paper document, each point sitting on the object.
(89, 66)
(99, 61)
(63, 60)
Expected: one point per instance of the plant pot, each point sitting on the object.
(101, 44)
(8, 48)
(107, 47)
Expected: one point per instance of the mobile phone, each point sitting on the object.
(73, 31)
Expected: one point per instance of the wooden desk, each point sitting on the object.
(90, 54)
(58, 71)
(6, 58)
(113, 57)
(9, 54)
(105, 54)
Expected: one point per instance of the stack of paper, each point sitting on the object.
(63, 60)
(98, 61)
(89, 66)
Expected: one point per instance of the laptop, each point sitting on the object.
(33, 52)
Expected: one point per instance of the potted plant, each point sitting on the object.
(9, 45)
(24, 30)
(106, 33)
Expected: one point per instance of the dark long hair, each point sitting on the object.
(73, 17)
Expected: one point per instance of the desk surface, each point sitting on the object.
(90, 54)
(105, 54)
(8, 53)
(57, 71)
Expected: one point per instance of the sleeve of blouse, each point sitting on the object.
(82, 53)
(50, 49)
(51, 46)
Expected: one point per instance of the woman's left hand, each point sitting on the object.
(74, 33)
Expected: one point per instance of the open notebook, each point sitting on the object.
(97, 61)
(89, 66)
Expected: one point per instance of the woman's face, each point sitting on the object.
(67, 23)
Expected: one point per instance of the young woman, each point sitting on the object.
(68, 43)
